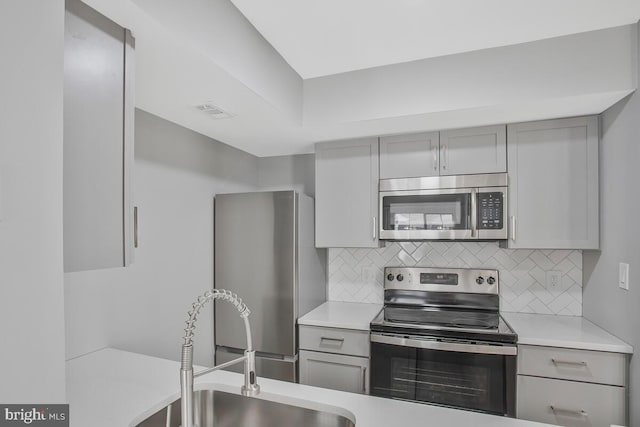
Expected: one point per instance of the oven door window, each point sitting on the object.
(460, 380)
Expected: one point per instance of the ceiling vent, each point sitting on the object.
(214, 111)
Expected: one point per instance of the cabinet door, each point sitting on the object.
(334, 371)
(405, 156)
(553, 188)
(98, 141)
(347, 193)
(569, 403)
(473, 150)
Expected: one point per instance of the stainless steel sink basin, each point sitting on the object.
(222, 409)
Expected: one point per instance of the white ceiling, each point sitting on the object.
(273, 64)
(319, 38)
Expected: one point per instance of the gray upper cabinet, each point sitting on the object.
(553, 188)
(473, 150)
(452, 152)
(405, 156)
(98, 140)
(347, 193)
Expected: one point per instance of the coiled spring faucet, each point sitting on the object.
(250, 386)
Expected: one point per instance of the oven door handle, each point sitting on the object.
(445, 346)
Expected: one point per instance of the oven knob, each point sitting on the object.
(491, 280)
(400, 277)
(480, 280)
(390, 277)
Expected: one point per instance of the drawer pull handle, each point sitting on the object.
(579, 412)
(335, 340)
(568, 362)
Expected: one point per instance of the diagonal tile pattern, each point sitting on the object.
(356, 275)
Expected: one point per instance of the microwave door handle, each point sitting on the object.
(474, 213)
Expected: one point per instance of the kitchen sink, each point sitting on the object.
(221, 409)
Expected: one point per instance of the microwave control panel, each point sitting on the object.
(490, 211)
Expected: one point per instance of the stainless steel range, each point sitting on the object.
(440, 339)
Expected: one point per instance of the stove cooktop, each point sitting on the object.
(444, 303)
(454, 324)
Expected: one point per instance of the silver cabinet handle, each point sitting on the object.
(513, 228)
(445, 160)
(135, 226)
(568, 362)
(373, 234)
(434, 150)
(363, 370)
(336, 340)
(579, 412)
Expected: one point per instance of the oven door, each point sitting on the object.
(459, 375)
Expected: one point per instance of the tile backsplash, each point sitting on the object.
(356, 275)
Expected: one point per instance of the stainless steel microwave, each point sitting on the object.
(457, 207)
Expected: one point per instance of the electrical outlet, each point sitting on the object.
(623, 275)
(554, 279)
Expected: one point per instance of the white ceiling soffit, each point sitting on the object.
(594, 63)
(327, 37)
(182, 62)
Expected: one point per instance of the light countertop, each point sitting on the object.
(533, 329)
(563, 331)
(113, 388)
(345, 315)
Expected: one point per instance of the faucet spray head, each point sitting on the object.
(250, 387)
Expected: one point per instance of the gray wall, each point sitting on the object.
(604, 303)
(286, 172)
(31, 279)
(142, 308)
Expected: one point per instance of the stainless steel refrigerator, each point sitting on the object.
(265, 253)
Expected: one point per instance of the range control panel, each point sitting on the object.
(442, 279)
(490, 211)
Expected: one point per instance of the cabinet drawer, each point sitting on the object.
(334, 371)
(334, 340)
(571, 364)
(569, 403)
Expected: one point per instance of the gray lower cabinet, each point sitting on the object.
(334, 371)
(334, 358)
(347, 193)
(570, 387)
(98, 141)
(553, 184)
